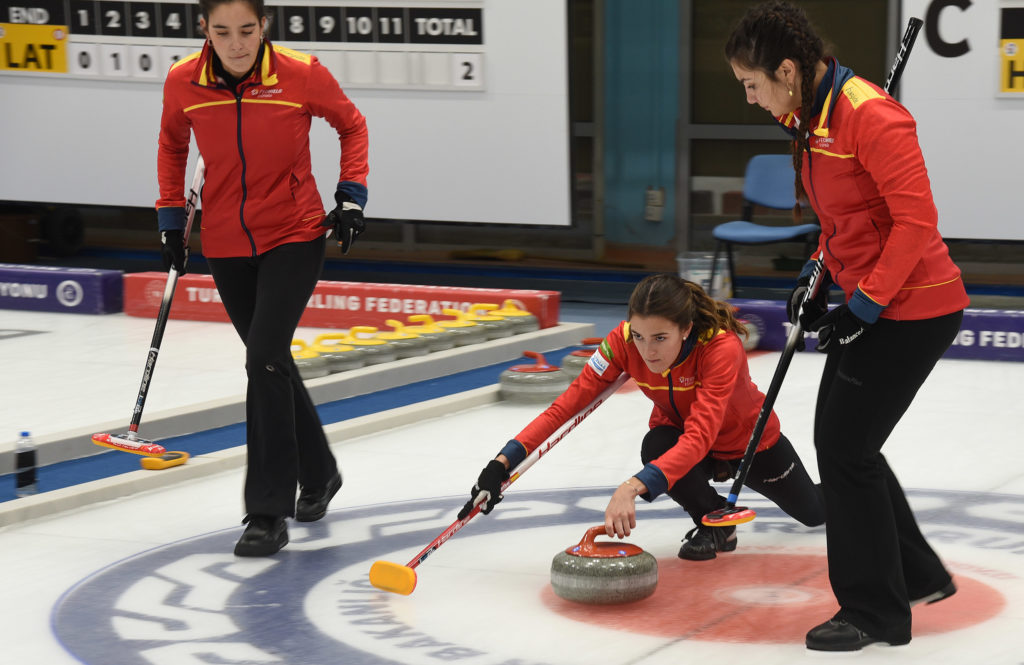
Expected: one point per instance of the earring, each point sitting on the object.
(790, 92)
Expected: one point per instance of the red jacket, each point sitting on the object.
(866, 179)
(259, 191)
(709, 395)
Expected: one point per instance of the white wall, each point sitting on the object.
(971, 134)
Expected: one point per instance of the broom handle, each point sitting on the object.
(165, 302)
(531, 459)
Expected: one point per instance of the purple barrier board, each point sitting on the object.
(986, 334)
(57, 289)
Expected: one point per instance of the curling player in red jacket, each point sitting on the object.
(859, 165)
(249, 105)
(683, 350)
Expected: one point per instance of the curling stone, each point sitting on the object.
(573, 362)
(496, 326)
(416, 344)
(375, 351)
(310, 363)
(603, 573)
(407, 344)
(753, 337)
(340, 357)
(539, 383)
(468, 331)
(441, 339)
(525, 322)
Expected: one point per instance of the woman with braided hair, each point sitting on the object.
(683, 349)
(859, 165)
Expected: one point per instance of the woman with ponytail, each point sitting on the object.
(859, 165)
(684, 351)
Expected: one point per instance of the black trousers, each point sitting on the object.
(777, 473)
(877, 557)
(285, 441)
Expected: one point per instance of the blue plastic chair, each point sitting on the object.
(768, 182)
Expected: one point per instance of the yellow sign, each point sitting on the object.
(33, 48)
(1011, 55)
(1011, 50)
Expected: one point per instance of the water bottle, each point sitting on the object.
(25, 466)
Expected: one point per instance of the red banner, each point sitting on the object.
(336, 304)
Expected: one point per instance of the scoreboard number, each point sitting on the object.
(83, 59)
(114, 60)
(468, 70)
(145, 62)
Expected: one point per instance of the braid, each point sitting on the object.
(764, 37)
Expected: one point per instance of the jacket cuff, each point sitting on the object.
(170, 219)
(863, 307)
(352, 191)
(515, 452)
(655, 481)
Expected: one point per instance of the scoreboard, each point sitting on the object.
(418, 46)
(466, 101)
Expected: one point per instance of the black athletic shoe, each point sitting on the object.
(942, 594)
(264, 535)
(840, 635)
(837, 635)
(702, 542)
(312, 503)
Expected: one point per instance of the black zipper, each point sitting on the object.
(241, 155)
(671, 398)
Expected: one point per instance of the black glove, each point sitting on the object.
(489, 483)
(346, 221)
(173, 250)
(839, 328)
(813, 309)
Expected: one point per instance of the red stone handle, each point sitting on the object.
(540, 362)
(587, 546)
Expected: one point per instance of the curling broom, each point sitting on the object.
(402, 579)
(130, 441)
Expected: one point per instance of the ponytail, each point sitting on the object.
(683, 302)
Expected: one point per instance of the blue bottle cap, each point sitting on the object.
(25, 434)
